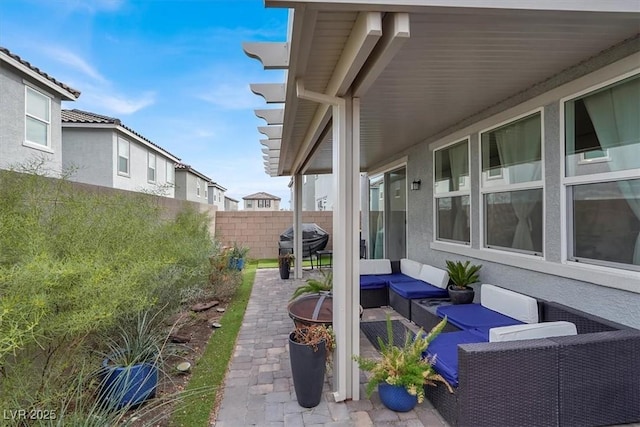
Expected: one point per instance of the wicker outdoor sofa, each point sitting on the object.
(588, 379)
(591, 378)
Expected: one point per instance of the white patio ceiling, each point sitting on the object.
(455, 64)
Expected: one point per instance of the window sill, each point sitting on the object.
(605, 276)
(39, 147)
(125, 175)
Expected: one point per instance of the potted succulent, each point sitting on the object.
(284, 264)
(237, 255)
(461, 277)
(402, 372)
(310, 348)
(315, 286)
(129, 372)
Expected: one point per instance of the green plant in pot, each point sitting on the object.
(237, 255)
(284, 264)
(402, 371)
(315, 286)
(310, 349)
(461, 277)
(129, 372)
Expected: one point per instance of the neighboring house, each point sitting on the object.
(103, 151)
(261, 202)
(317, 192)
(30, 104)
(230, 204)
(216, 195)
(504, 133)
(191, 184)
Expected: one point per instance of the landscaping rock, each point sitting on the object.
(179, 339)
(204, 306)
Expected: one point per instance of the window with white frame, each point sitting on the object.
(602, 160)
(264, 203)
(38, 117)
(198, 187)
(171, 173)
(206, 191)
(249, 204)
(452, 188)
(151, 167)
(123, 156)
(512, 186)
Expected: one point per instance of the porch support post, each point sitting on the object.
(297, 225)
(346, 247)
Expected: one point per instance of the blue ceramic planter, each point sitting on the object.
(396, 397)
(236, 263)
(127, 386)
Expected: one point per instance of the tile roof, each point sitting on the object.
(37, 70)
(261, 196)
(188, 168)
(86, 117)
(215, 184)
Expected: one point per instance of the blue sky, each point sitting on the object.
(173, 71)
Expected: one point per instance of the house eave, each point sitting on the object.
(66, 95)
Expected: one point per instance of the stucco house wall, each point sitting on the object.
(216, 196)
(187, 184)
(90, 146)
(79, 146)
(13, 150)
(601, 291)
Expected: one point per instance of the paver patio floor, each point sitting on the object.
(258, 389)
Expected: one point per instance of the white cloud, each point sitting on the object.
(123, 105)
(91, 6)
(230, 96)
(105, 101)
(74, 61)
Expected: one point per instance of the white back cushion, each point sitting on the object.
(410, 268)
(532, 331)
(435, 276)
(509, 303)
(375, 266)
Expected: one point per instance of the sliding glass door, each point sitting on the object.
(388, 215)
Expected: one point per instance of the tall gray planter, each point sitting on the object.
(308, 369)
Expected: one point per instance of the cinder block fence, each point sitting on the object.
(260, 231)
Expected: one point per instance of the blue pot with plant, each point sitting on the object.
(129, 372)
(402, 372)
(237, 255)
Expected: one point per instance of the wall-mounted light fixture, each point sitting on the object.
(415, 185)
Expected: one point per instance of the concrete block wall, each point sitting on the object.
(260, 231)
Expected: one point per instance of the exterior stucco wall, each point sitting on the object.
(586, 288)
(12, 119)
(186, 187)
(89, 153)
(216, 197)
(260, 231)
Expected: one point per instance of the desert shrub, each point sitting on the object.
(73, 264)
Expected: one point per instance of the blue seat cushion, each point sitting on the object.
(445, 348)
(417, 289)
(475, 316)
(372, 281)
(396, 277)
